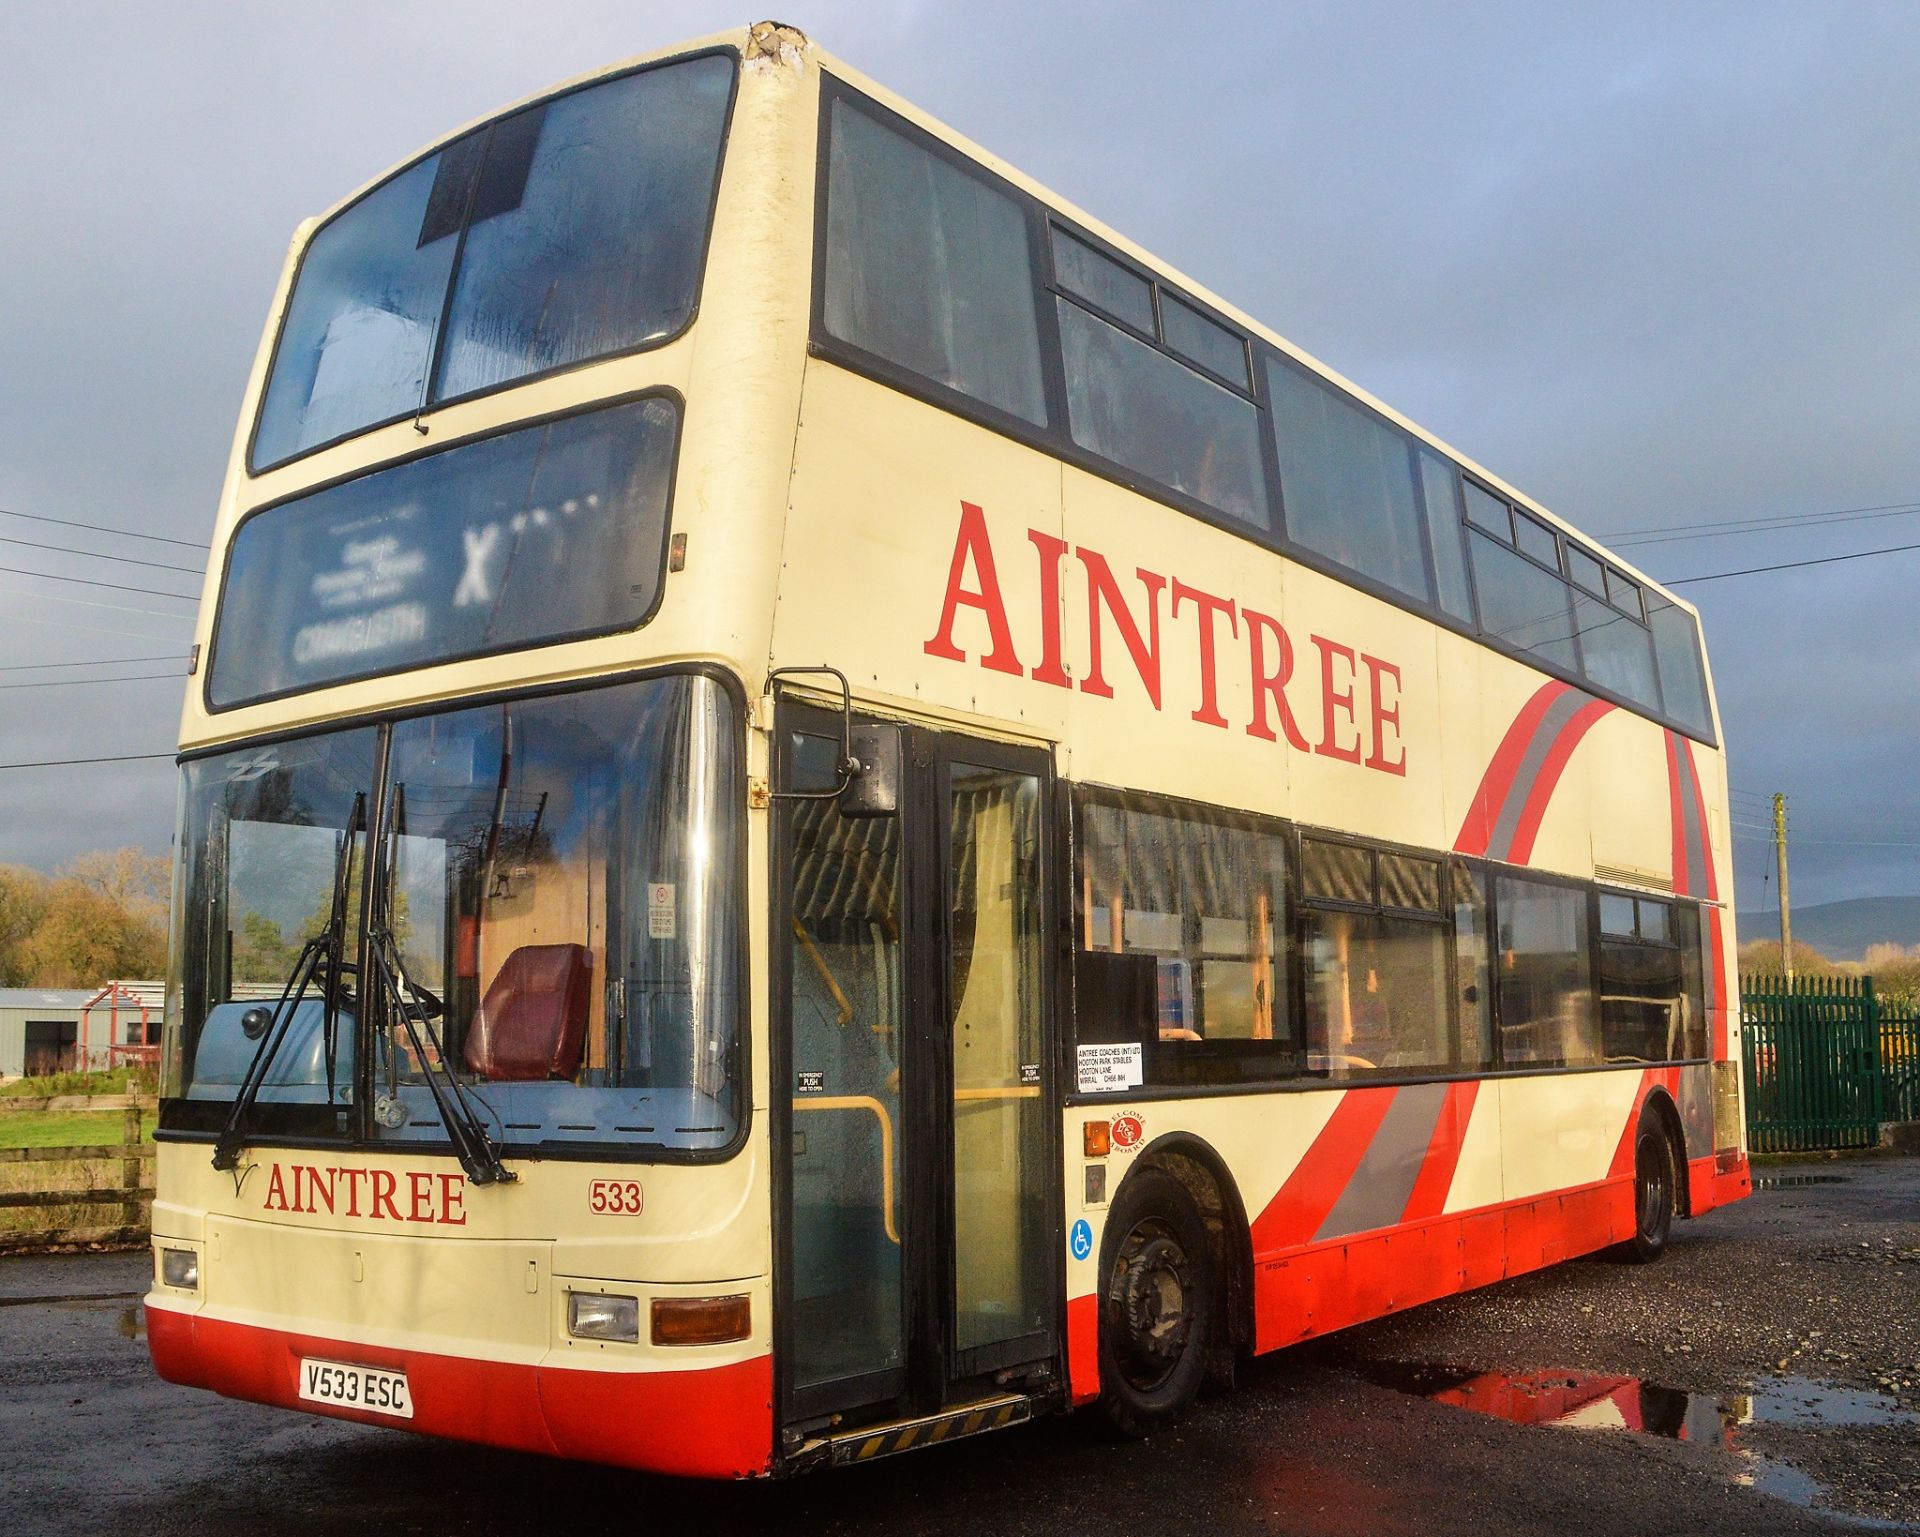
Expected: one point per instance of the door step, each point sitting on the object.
(948, 1425)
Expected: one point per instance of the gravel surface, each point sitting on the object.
(1821, 1276)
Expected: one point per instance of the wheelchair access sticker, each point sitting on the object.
(1080, 1241)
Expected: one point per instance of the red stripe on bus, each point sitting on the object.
(1314, 1188)
(1083, 1348)
(1706, 834)
(711, 1423)
(1681, 881)
(1497, 782)
(1428, 1198)
(1667, 1078)
(1316, 1289)
(1549, 778)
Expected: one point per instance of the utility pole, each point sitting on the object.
(1786, 909)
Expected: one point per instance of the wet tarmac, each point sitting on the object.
(1764, 1378)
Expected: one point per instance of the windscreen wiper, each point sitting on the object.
(418, 1008)
(322, 956)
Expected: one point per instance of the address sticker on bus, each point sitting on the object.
(1105, 1069)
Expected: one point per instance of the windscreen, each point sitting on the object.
(560, 879)
(571, 230)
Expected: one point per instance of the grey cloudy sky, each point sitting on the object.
(1655, 264)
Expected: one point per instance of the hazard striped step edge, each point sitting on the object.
(948, 1425)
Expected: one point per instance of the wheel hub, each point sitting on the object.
(1151, 1283)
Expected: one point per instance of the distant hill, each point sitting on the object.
(1841, 931)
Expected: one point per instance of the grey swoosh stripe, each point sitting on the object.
(1562, 710)
(1377, 1194)
(1690, 823)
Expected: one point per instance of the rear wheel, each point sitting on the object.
(1157, 1304)
(1653, 1192)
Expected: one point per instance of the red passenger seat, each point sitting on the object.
(533, 1022)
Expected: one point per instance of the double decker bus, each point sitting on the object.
(823, 809)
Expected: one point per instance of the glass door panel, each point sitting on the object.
(995, 992)
(844, 967)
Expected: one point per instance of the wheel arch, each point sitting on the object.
(1200, 1169)
(1659, 1107)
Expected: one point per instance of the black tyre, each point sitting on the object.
(1653, 1193)
(1158, 1304)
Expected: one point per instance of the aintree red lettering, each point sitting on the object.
(307, 1188)
(1208, 609)
(1384, 715)
(1270, 685)
(1335, 703)
(1052, 668)
(973, 582)
(973, 545)
(1104, 592)
(384, 1186)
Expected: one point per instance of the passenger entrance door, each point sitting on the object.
(913, 1140)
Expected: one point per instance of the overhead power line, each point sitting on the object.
(138, 677)
(101, 528)
(125, 560)
(111, 661)
(1837, 514)
(1786, 565)
(129, 757)
(88, 581)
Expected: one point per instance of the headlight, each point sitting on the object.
(181, 1268)
(593, 1316)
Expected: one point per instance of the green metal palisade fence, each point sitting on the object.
(1826, 1061)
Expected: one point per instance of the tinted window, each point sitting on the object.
(1651, 1009)
(585, 221)
(930, 268)
(1437, 481)
(1335, 872)
(1537, 540)
(1472, 979)
(1489, 512)
(1181, 941)
(1133, 404)
(1624, 593)
(358, 334)
(1615, 652)
(1376, 994)
(1585, 570)
(1522, 605)
(1683, 681)
(1123, 294)
(549, 532)
(588, 223)
(1200, 340)
(1546, 984)
(1346, 481)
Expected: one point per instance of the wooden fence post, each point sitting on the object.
(130, 1166)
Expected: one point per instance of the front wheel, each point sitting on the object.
(1157, 1304)
(1653, 1193)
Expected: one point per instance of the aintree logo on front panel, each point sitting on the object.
(1360, 698)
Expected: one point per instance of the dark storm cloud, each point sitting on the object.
(1653, 264)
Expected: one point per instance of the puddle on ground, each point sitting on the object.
(1797, 1181)
(133, 1323)
(1604, 1401)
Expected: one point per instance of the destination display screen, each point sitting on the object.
(552, 532)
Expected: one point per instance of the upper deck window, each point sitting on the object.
(547, 533)
(571, 230)
(929, 267)
(1347, 479)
